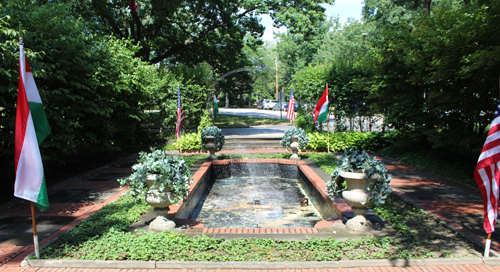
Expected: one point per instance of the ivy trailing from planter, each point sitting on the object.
(171, 173)
(355, 161)
(219, 138)
(294, 131)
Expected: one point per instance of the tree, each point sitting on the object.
(170, 30)
(91, 87)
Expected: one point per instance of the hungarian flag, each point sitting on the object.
(132, 5)
(487, 174)
(321, 110)
(32, 127)
(180, 115)
(216, 108)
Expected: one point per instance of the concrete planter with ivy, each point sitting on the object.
(295, 139)
(362, 181)
(162, 180)
(212, 139)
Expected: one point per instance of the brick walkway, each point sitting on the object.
(405, 181)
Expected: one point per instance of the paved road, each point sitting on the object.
(254, 113)
(377, 122)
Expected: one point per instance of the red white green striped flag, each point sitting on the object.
(321, 110)
(32, 128)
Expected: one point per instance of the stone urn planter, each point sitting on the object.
(358, 197)
(161, 202)
(294, 139)
(358, 191)
(212, 139)
(294, 146)
(357, 194)
(211, 147)
(161, 180)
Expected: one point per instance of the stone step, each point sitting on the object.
(249, 143)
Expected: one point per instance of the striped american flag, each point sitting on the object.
(290, 113)
(487, 174)
(180, 115)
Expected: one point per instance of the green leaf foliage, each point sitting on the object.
(219, 137)
(286, 141)
(171, 173)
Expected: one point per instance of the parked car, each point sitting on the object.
(259, 104)
(280, 106)
(270, 104)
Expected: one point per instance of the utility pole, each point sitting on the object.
(276, 77)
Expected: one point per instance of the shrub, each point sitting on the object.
(188, 141)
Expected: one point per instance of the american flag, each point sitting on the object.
(290, 113)
(180, 115)
(487, 174)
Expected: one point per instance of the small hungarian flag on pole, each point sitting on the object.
(321, 110)
(216, 108)
(32, 128)
(290, 113)
(487, 176)
(180, 115)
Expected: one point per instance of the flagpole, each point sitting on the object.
(35, 235)
(213, 110)
(33, 219)
(180, 129)
(328, 125)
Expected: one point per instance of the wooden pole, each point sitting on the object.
(180, 129)
(328, 122)
(276, 77)
(35, 235)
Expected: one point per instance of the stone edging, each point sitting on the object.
(493, 261)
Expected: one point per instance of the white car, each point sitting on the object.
(268, 105)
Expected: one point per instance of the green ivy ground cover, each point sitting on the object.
(103, 237)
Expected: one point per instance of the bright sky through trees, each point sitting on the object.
(342, 8)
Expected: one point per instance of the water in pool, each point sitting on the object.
(250, 202)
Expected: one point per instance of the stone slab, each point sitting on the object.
(91, 264)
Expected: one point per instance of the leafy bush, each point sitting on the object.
(219, 137)
(206, 121)
(340, 141)
(318, 141)
(294, 131)
(188, 141)
(305, 121)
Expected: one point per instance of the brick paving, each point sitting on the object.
(12, 255)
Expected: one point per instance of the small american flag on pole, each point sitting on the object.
(487, 174)
(290, 113)
(180, 115)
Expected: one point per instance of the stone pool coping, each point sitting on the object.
(491, 261)
(339, 205)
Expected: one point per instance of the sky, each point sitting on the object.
(342, 8)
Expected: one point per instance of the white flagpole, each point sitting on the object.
(487, 246)
(35, 235)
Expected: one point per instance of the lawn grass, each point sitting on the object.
(103, 237)
(233, 121)
(153, 121)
